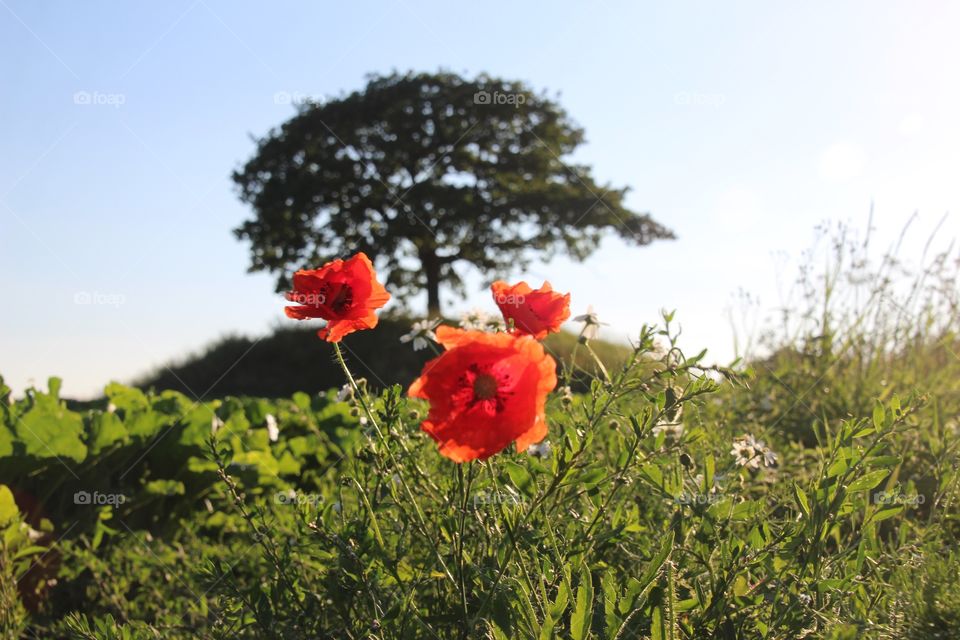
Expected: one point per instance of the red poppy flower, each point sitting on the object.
(485, 391)
(345, 293)
(534, 312)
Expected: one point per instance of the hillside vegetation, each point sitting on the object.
(810, 491)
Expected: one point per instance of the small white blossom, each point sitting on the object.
(752, 453)
(273, 431)
(769, 458)
(540, 450)
(344, 392)
(111, 408)
(591, 324)
(362, 420)
(215, 424)
(421, 333)
(474, 319)
(480, 320)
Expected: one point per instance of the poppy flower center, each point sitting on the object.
(340, 299)
(484, 387)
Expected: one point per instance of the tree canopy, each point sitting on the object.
(428, 173)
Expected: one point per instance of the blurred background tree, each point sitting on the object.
(423, 172)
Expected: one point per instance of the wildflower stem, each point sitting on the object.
(596, 358)
(464, 497)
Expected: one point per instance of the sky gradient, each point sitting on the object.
(740, 125)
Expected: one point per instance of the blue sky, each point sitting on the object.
(741, 125)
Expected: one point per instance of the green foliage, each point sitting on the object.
(422, 172)
(836, 521)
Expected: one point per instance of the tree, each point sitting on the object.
(425, 172)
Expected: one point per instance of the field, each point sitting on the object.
(808, 492)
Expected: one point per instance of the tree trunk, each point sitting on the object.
(431, 268)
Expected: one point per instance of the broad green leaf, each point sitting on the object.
(8, 506)
(520, 477)
(50, 430)
(105, 429)
(879, 416)
(868, 480)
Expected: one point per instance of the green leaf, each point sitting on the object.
(657, 628)
(165, 488)
(887, 512)
(8, 507)
(6, 441)
(555, 612)
(709, 468)
(520, 478)
(868, 480)
(879, 416)
(583, 609)
(656, 562)
(611, 620)
(50, 430)
(105, 429)
(802, 500)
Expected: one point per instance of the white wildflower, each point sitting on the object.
(215, 424)
(111, 408)
(540, 450)
(273, 431)
(479, 320)
(344, 393)
(591, 324)
(752, 453)
(769, 458)
(474, 320)
(421, 333)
